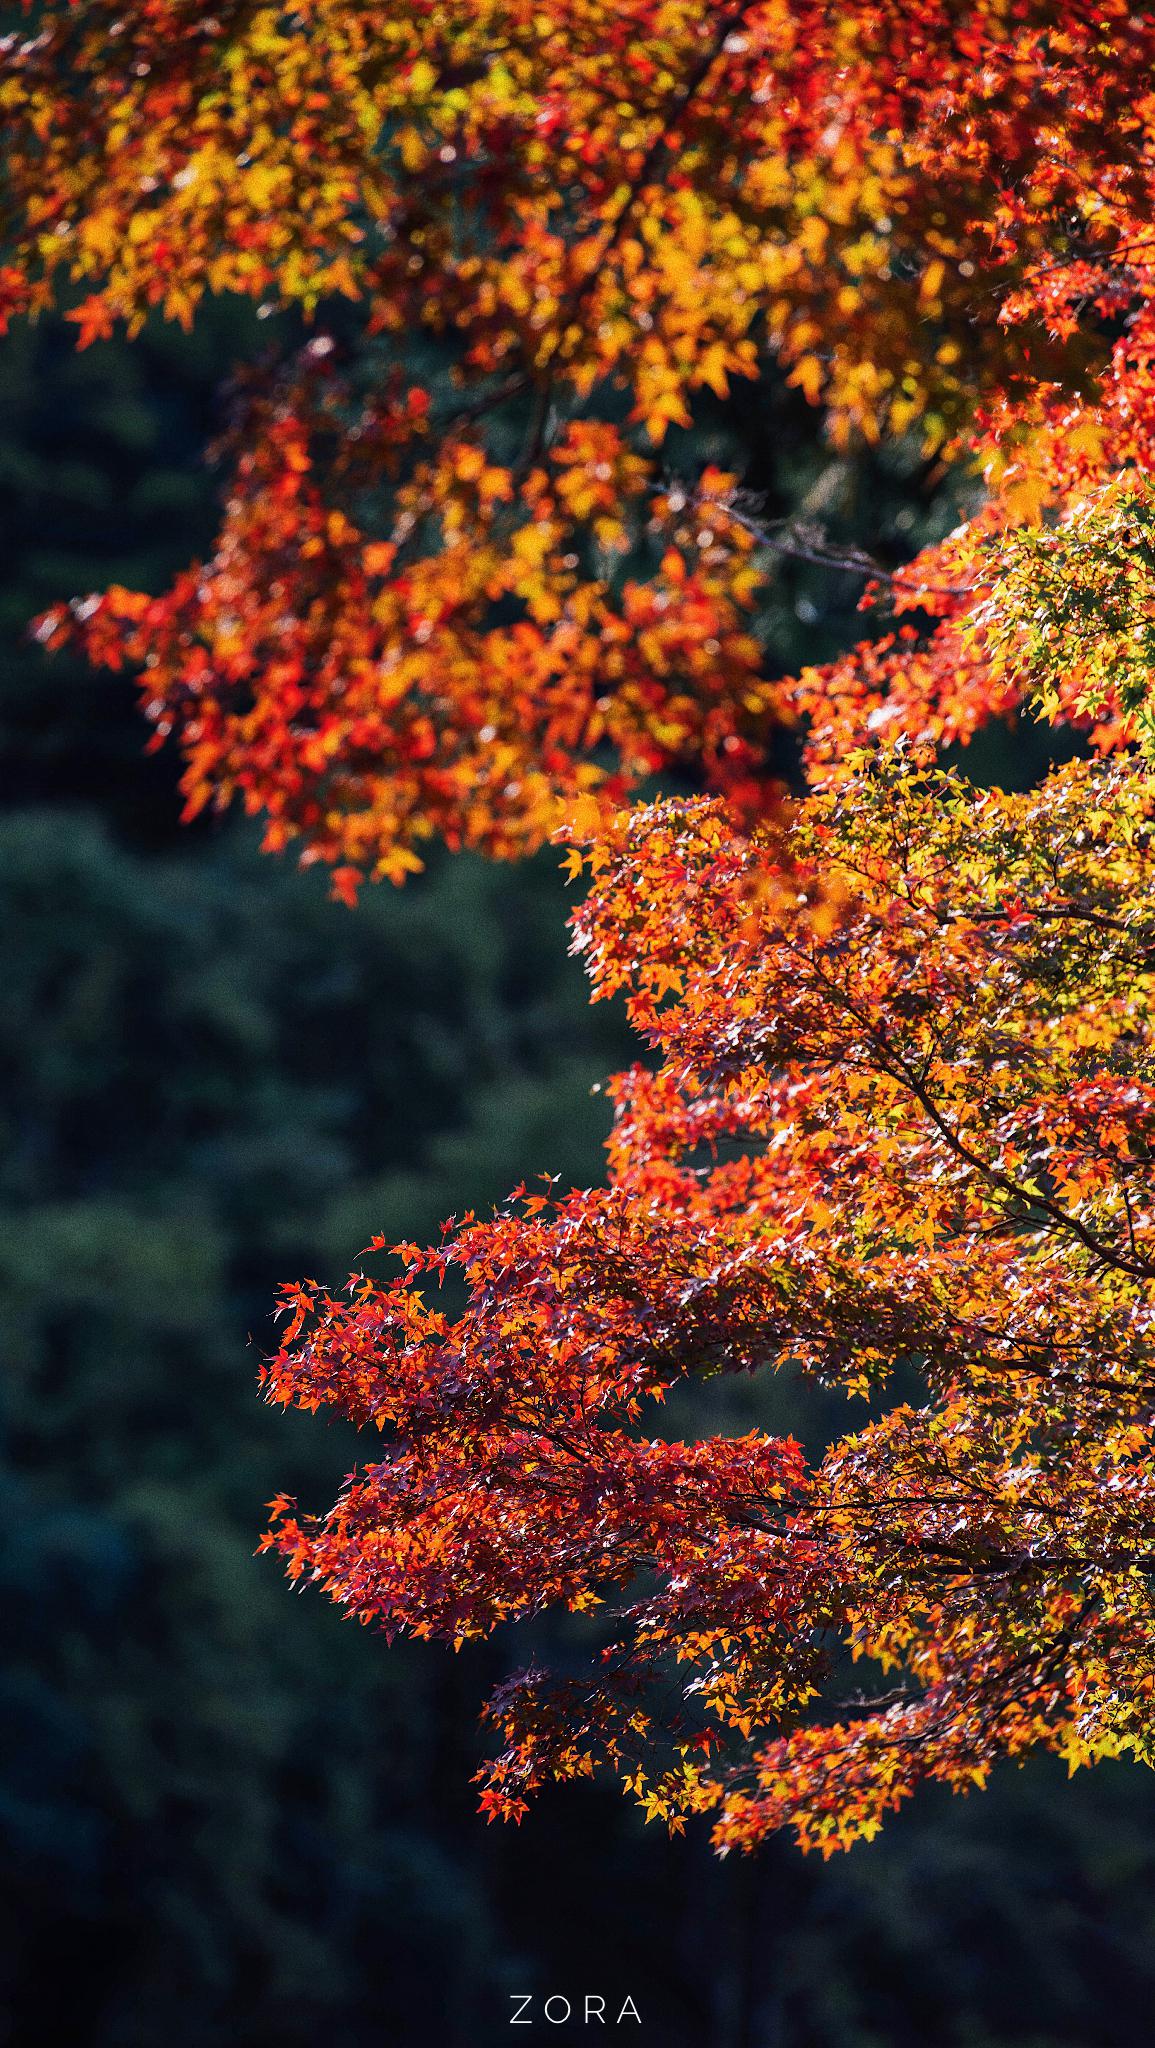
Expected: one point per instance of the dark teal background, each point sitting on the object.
(225, 1816)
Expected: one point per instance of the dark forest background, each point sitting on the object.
(225, 1816)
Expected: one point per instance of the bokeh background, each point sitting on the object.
(226, 1816)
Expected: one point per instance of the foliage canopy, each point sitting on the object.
(895, 1130)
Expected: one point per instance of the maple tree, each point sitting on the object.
(910, 1129)
(895, 1130)
(456, 611)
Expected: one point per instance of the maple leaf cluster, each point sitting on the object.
(458, 614)
(901, 1119)
(896, 1123)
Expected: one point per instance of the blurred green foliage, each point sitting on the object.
(225, 1817)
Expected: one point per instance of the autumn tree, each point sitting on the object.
(894, 1127)
(912, 1137)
